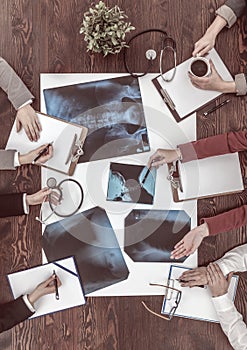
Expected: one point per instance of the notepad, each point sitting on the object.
(210, 176)
(195, 302)
(70, 292)
(184, 96)
(63, 135)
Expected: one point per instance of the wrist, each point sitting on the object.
(215, 28)
(229, 87)
(179, 154)
(205, 229)
(23, 159)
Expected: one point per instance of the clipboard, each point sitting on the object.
(183, 99)
(195, 303)
(203, 178)
(68, 139)
(71, 292)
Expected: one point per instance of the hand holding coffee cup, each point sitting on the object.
(212, 81)
(200, 67)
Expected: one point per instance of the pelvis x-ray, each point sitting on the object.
(88, 237)
(111, 110)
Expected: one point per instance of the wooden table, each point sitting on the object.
(43, 36)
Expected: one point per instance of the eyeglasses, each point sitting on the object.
(175, 295)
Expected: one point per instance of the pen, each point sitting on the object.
(183, 281)
(41, 153)
(145, 177)
(55, 284)
(216, 107)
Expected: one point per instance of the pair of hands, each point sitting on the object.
(210, 275)
(201, 48)
(44, 288)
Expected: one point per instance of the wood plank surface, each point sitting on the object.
(40, 36)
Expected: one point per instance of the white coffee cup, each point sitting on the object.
(200, 67)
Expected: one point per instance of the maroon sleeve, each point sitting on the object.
(227, 221)
(12, 313)
(215, 145)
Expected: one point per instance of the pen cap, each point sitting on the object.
(200, 67)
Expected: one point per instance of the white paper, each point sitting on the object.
(185, 96)
(195, 302)
(210, 176)
(53, 130)
(163, 132)
(70, 292)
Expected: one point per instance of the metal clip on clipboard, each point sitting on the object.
(75, 150)
(174, 177)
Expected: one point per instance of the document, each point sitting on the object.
(70, 292)
(210, 176)
(195, 302)
(185, 97)
(64, 136)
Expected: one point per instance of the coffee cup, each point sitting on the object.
(200, 67)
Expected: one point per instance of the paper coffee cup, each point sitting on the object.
(200, 67)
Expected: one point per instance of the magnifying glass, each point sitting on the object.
(65, 199)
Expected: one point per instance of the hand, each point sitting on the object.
(29, 157)
(217, 282)
(194, 277)
(27, 118)
(44, 288)
(163, 156)
(207, 41)
(38, 197)
(190, 242)
(205, 44)
(213, 82)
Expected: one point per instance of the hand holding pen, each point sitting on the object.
(39, 155)
(44, 288)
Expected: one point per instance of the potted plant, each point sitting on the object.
(105, 29)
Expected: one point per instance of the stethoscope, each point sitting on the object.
(167, 43)
(57, 188)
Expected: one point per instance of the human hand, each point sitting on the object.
(27, 118)
(29, 157)
(163, 156)
(190, 242)
(194, 277)
(38, 197)
(217, 282)
(205, 44)
(44, 288)
(213, 82)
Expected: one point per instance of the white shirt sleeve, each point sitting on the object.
(25, 205)
(27, 302)
(16, 159)
(231, 322)
(234, 260)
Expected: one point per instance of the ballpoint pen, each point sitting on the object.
(41, 153)
(216, 107)
(56, 286)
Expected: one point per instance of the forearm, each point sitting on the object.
(231, 322)
(234, 260)
(217, 25)
(16, 90)
(215, 145)
(13, 313)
